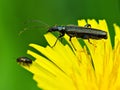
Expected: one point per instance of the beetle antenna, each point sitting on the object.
(33, 22)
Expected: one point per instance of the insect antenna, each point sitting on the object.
(31, 24)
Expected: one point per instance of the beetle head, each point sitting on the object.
(56, 28)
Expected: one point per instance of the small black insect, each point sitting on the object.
(85, 32)
(24, 61)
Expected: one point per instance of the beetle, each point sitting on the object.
(24, 61)
(85, 32)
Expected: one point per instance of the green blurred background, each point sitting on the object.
(13, 14)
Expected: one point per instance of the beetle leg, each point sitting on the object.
(71, 42)
(91, 43)
(87, 26)
(70, 38)
(58, 38)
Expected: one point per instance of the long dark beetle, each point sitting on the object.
(85, 32)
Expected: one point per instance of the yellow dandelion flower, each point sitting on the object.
(63, 68)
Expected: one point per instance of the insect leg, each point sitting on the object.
(58, 38)
(91, 43)
(71, 42)
(87, 26)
